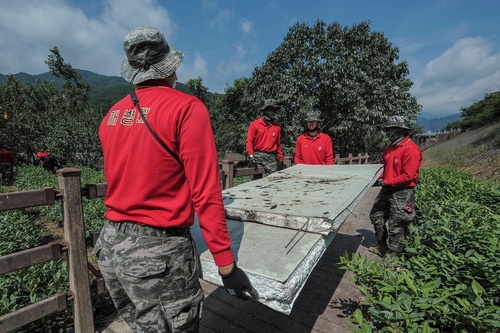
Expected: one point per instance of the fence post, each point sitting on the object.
(350, 158)
(359, 158)
(287, 161)
(227, 167)
(337, 158)
(74, 235)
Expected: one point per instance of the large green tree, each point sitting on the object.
(227, 112)
(351, 75)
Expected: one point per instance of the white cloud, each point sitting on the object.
(240, 49)
(222, 18)
(460, 76)
(28, 29)
(246, 25)
(192, 71)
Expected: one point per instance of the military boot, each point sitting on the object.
(380, 249)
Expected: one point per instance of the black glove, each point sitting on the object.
(237, 283)
(281, 165)
(253, 164)
(379, 182)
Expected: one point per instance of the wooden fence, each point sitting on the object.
(74, 247)
(438, 138)
(229, 172)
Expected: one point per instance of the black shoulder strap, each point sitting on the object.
(136, 103)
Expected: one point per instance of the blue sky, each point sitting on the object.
(452, 47)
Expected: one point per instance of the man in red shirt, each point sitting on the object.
(264, 140)
(161, 167)
(6, 155)
(6, 164)
(313, 146)
(395, 204)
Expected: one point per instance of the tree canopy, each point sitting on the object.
(40, 117)
(351, 75)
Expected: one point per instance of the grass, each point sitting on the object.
(476, 151)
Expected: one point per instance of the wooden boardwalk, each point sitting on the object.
(324, 305)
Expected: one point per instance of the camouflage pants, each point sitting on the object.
(268, 162)
(396, 207)
(152, 275)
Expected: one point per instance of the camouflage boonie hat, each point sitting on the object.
(148, 56)
(269, 103)
(397, 121)
(313, 116)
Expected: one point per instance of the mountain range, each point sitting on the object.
(106, 90)
(433, 123)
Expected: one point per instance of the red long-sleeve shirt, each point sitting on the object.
(401, 164)
(317, 150)
(6, 156)
(146, 184)
(263, 137)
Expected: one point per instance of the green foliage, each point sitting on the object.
(93, 210)
(197, 89)
(351, 75)
(37, 116)
(448, 280)
(19, 231)
(227, 114)
(32, 178)
(482, 112)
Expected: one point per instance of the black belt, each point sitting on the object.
(148, 230)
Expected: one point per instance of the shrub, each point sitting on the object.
(448, 279)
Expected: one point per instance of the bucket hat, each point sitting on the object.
(148, 56)
(313, 116)
(397, 121)
(269, 103)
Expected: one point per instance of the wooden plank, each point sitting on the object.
(14, 261)
(228, 168)
(74, 234)
(101, 190)
(96, 190)
(32, 312)
(24, 199)
(248, 172)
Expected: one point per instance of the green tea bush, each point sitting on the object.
(19, 231)
(33, 178)
(449, 276)
(94, 209)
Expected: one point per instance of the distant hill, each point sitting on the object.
(106, 90)
(476, 151)
(437, 124)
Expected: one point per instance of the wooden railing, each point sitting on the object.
(228, 172)
(438, 138)
(74, 247)
(360, 159)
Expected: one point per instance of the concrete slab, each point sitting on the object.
(298, 211)
(314, 198)
(276, 267)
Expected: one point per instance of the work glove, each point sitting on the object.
(253, 164)
(379, 182)
(281, 165)
(237, 284)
